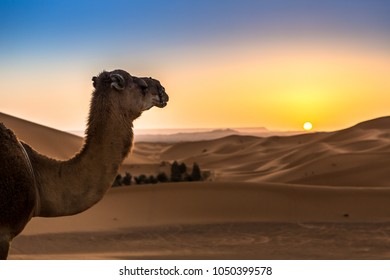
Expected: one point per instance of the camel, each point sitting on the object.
(33, 185)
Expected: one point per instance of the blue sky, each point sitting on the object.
(78, 26)
(73, 40)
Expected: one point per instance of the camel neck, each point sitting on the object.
(70, 187)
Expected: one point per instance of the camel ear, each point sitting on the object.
(94, 81)
(117, 81)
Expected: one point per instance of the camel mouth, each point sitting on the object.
(163, 100)
(161, 104)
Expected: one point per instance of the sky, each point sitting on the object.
(224, 63)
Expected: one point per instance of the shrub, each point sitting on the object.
(175, 172)
(188, 177)
(162, 177)
(179, 173)
(196, 173)
(127, 179)
(183, 168)
(152, 180)
(141, 179)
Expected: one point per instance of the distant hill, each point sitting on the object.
(49, 141)
(190, 135)
(186, 136)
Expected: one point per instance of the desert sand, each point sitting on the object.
(310, 196)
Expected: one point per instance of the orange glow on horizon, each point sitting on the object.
(277, 87)
(282, 88)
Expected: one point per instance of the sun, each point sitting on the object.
(307, 126)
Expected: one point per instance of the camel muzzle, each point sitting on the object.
(163, 97)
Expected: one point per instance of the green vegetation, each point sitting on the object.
(127, 179)
(196, 174)
(175, 172)
(179, 173)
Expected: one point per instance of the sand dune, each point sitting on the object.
(215, 241)
(222, 202)
(357, 156)
(272, 196)
(218, 221)
(46, 140)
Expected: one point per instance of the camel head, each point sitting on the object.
(130, 92)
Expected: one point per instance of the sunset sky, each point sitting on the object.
(225, 64)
